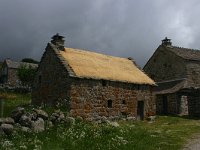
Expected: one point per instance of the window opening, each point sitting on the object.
(109, 103)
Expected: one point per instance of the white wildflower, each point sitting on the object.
(23, 147)
(7, 144)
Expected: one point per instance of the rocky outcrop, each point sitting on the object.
(41, 113)
(57, 116)
(38, 120)
(35, 120)
(7, 120)
(25, 120)
(1, 131)
(17, 113)
(7, 128)
(38, 125)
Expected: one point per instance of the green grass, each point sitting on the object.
(12, 100)
(166, 133)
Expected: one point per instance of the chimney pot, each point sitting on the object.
(58, 41)
(166, 42)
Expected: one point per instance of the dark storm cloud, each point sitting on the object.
(125, 28)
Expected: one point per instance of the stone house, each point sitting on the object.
(8, 72)
(93, 84)
(176, 71)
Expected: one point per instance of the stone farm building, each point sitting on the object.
(8, 72)
(93, 84)
(176, 71)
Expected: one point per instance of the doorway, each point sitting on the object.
(140, 110)
(165, 105)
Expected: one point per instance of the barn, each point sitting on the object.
(92, 84)
(176, 70)
(9, 70)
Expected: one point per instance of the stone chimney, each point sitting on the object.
(166, 42)
(58, 41)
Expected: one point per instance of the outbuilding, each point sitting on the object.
(176, 71)
(92, 84)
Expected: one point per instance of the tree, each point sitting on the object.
(26, 74)
(29, 60)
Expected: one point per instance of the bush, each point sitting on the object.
(26, 74)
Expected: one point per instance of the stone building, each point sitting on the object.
(93, 84)
(8, 72)
(176, 71)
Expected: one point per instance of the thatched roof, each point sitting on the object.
(86, 64)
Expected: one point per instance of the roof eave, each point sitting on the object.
(89, 78)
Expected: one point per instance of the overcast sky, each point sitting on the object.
(125, 28)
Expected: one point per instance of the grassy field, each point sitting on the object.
(166, 133)
(12, 100)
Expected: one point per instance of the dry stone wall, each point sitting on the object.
(51, 82)
(177, 104)
(165, 65)
(91, 99)
(13, 79)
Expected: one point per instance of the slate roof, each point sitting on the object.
(15, 65)
(87, 64)
(192, 81)
(169, 86)
(186, 53)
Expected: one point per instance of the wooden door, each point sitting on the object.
(140, 110)
(165, 105)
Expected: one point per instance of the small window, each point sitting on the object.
(40, 79)
(104, 83)
(109, 103)
(124, 102)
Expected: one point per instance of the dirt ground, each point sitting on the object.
(193, 144)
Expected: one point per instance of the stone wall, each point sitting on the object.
(177, 104)
(165, 65)
(52, 82)
(90, 99)
(13, 79)
(183, 110)
(9, 76)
